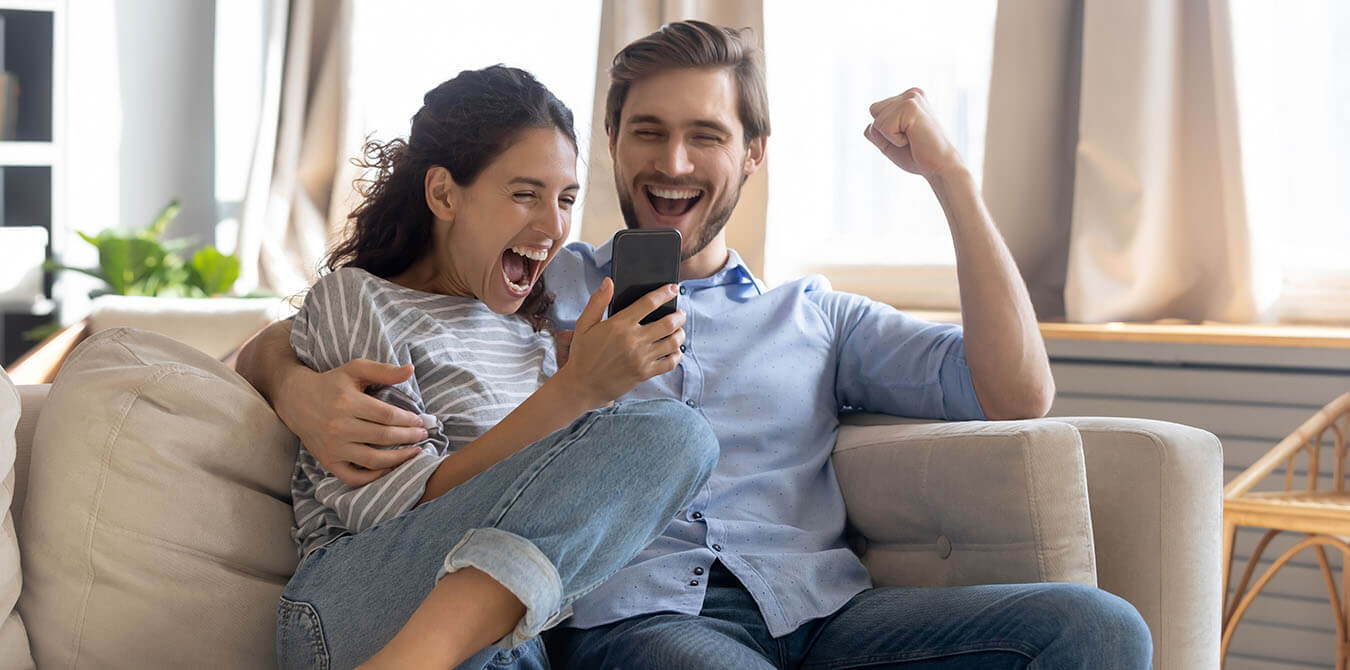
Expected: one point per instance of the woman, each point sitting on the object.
(531, 486)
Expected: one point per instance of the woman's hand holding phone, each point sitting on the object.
(608, 357)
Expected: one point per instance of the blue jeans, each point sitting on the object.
(987, 627)
(550, 523)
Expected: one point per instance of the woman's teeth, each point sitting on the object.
(517, 287)
(532, 254)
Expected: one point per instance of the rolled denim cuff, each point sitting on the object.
(514, 562)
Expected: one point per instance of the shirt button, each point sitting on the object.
(693, 582)
(697, 515)
(689, 403)
(717, 547)
(683, 290)
(698, 571)
(682, 349)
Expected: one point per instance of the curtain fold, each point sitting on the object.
(621, 22)
(298, 192)
(1111, 160)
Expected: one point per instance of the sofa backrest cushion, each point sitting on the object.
(156, 532)
(13, 638)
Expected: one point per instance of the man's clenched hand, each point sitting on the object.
(904, 129)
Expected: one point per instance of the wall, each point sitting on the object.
(139, 116)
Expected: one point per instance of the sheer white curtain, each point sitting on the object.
(836, 205)
(621, 22)
(1294, 97)
(1112, 163)
(292, 196)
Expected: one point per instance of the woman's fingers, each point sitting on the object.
(595, 307)
(647, 304)
(663, 327)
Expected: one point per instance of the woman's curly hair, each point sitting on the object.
(463, 125)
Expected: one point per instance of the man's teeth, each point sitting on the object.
(673, 193)
(532, 254)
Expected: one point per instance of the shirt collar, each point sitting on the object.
(734, 272)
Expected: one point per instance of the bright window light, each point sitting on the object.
(834, 200)
(404, 48)
(1293, 92)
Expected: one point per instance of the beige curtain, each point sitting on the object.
(1111, 162)
(298, 190)
(621, 22)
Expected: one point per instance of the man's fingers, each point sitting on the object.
(377, 411)
(371, 458)
(353, 476)
(648, 303)
(595, 307)
(366, 432)
(879, 106)
(882, 141)
(372, 373)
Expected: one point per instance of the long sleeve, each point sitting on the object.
(343, 318)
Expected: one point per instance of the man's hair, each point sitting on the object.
(694, 44)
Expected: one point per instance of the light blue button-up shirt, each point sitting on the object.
(770, 370)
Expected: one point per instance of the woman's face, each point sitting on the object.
(493, 238)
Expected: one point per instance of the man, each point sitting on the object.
(755, 573)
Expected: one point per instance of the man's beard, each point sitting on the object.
(718, 214)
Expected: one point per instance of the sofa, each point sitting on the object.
(150, 484)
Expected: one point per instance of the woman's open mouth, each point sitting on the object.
(521, 267)
(672, 202)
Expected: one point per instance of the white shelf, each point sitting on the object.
(38, 307)
(29, 5)
(27, 154)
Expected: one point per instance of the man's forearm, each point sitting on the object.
(1004, 348)
(265, 357)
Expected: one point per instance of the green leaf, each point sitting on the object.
(53, 266)
(39, 333)
(128, 264)
(169, 213)
(213, 272)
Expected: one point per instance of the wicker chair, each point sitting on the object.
(1324, 516)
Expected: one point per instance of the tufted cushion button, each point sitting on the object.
(944, 547)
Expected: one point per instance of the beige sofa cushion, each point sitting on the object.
(215, 326)
(976, 502)
(157, 524)
(13, 638)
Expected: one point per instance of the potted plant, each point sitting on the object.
(151, 285)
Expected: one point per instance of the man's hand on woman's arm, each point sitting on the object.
(330, 412)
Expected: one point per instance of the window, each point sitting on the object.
(404, 48)
(1293, 93)
(836, 205)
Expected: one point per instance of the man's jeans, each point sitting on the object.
(550, 523)
(987, 627)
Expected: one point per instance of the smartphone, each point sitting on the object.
(643, 261)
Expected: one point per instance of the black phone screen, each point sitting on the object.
(643, 261)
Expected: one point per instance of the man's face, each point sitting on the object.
(680, 155)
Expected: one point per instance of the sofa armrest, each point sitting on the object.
(31, 398)
(1157, 497)
(948, 504)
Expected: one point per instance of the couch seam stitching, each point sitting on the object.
(104, 467)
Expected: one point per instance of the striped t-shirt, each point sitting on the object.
(472, 366)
